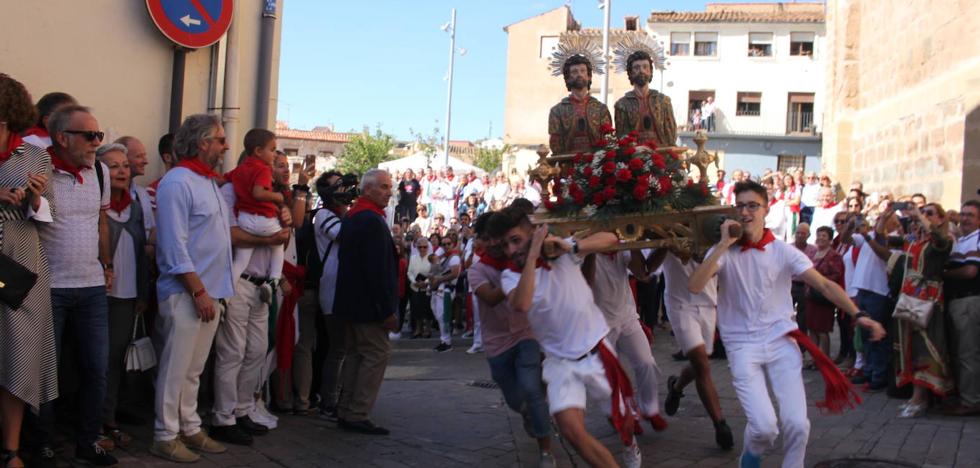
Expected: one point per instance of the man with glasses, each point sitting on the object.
(77, 246)
(755, 319)
(963, 294)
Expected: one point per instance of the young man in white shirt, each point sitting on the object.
(755, 316)
(693, 319)
(570, 329)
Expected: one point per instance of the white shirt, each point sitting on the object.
(754, 302)
(454, 261)
(869, 273)
(71, 242)
(822, 217)
(676, 295)
(532, 195)
(611, 288)
(563, 314)
(326, 229)
(849, 273)
(810, 195)
(123, 259)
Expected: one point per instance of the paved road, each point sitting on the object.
(439, 418)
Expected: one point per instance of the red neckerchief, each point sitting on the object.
(119, 203)
(838, 392)
(828, 206)
(541, 263)
(13, 143)
(855, 250)
(198, 167)
(494, 263)
(365, 204)
(767, 237)
(37, 131)
(63, 166)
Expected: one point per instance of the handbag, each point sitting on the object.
(140, 355)
(16, 282)
(915, 308)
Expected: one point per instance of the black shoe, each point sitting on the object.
(364, 427)
(443, 347)
(679, 356)
(673, 400)
(251, 427)
(328, 413)
(718, 353)
(43, 457)
(723, 435)
(230, 434)
(93, 455)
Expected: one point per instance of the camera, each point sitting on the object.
(342, 192)
(902, 206)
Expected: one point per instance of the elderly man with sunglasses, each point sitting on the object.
(77, 246)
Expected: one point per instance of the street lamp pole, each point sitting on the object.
(605, 6)
(449, 98)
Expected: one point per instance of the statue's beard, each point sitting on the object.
(640, 79)
(576, 83)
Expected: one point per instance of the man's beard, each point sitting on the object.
(576, 83)
(640, 79)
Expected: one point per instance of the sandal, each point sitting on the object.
(120, 438)
(11, 459)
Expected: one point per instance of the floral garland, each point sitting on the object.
(625, 176)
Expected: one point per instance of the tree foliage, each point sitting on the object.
(489, 159)
(366, 151)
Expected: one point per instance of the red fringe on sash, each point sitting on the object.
(623, 414)
(838, 391)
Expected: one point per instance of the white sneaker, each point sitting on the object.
(631, 456)
(546, 460)
(474, 349)
(394, 335)
(468, 334)
(261, 415)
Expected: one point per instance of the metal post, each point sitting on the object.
(264, 81)
(449, 99)
(177, 88)
(605, 48)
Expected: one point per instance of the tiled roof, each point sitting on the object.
(729, 16)
(283, 131)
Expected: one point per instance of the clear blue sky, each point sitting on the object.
(352, 64)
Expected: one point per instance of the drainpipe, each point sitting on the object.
(177, 89)
(264, 84)
(229, 106)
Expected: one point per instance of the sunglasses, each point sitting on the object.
(89, 135)
(752, 207)
(928, 213)
(840, 221)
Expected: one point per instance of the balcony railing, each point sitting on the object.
(799, 122)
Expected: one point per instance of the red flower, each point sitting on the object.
(690, 183)
(665, 184)
(587, 158)
(610, 155)
(629, 151)
(578, 158)
(658, 160)
(609, 167)
(579, 198)
(643, 179)
(569, 170)
(650, 144)
(609, 193)
(594, 181)
(573, 188)
(704, 189)
(633, 134)
(636, 163)
(587, 172)
(640, 191)
(597, 198)
(606, 128)
(624, 175)
(600, 143)
(611, 180)
(548, 205)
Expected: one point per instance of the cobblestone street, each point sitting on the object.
(442, 414)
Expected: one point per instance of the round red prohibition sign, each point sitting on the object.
(191, 23)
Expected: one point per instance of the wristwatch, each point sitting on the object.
(861, 314)
(107, 266)
(574, 246)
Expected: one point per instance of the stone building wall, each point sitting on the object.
(903, 87)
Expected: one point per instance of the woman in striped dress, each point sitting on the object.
(28, 369)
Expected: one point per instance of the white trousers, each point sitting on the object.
(781, 361)
(263, 227)
(693, 326)
(477, 328)
(443, 316)
(630, 342)
(240, 348)
(186, 344)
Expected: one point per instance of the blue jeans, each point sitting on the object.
(518, 373)
(87, 310)
(877, 353)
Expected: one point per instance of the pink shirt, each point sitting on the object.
(502, 326)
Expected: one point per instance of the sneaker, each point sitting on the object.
(673, 400)
(328, 414)
(364, 427)
(546, 460)
(468, 334)
(43, 457)
(173, 450)
(749, 460)
(723, 435)
(106, 443)
(474, 349)
(394, 335)
(94, 455)
(265, 293)
(231, 434)
(260, 413)
(631, 456)
(246, 424)
(202, 443)
(679, 356)
(658, 422)
(443, 347)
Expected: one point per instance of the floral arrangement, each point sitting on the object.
(625, 176)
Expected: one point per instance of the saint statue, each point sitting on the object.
(573, 123)
(643, 110)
